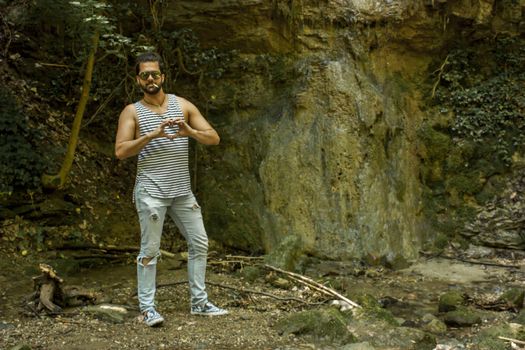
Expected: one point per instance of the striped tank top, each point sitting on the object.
(162, 167)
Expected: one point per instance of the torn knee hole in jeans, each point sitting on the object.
(154, 217)
(149, 260)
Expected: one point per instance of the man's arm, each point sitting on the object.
(127, 144)
(195, 125)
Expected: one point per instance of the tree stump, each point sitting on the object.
(51, 297)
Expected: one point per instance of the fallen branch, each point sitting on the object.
(489, 263)
(225, 262)
(311, 282)
(53, 65)
(474, 262)
(521, 342)
(102, 256)
(128, 249)
(242, 290)
(241, 257)
(310, 286)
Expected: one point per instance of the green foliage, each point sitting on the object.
(485, 91)
(21, 164)
(184, 57)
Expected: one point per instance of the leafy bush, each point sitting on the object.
(20, 164)
(485, 90)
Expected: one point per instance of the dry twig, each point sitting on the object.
(310, 282)
(521, 342)
(242, 290)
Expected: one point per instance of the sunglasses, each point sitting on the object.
(154, 73)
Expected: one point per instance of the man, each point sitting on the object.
(157, 129)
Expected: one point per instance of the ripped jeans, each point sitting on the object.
(186, 213)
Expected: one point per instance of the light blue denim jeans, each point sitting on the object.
(186, 213)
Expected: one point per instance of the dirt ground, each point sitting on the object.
(251, 321)
(247, 326)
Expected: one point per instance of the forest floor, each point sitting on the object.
(252, 317)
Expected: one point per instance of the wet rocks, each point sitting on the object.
(358, 346)
(512, 298)
(463, 317)
(433, 324)
(327, 324)
(450, 301)
(520, 318)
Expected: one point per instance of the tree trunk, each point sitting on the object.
(58, 180)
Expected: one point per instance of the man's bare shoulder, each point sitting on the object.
(129, 111)
(184, 102)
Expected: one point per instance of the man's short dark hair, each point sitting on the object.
(148, 57)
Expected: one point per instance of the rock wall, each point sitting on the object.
(319, 116)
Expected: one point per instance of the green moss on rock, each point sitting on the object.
(463, 317)
(371, 309)
(470, 183)
(287, 255)
(487, 339)
(323, 324)
(513, 298)
(450, 301)
(437, 144)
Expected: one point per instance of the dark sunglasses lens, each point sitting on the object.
(145, 75)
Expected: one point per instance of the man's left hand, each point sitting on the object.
(184, 129)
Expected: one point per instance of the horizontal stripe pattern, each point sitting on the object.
(162, 166)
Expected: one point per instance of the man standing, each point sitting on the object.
(157, 129)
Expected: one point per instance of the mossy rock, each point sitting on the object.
(327, 324)
(405, 338)
(470, 183)
(414, 339)
(396, 262)
(487, 339)
(450, 301)
(358, 346)
(455, 162)
(441, 240)
(437, 143)
(372, 310)
(287, 255)
(433, 324)
(513, 298)
(463, 317)
(520, 318)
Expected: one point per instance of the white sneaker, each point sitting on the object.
(152, 318)
(207, 309)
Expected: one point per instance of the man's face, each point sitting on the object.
(150, 78)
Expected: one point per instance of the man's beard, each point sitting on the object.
(151, 89)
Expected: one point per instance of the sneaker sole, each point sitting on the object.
(155, 323)
(209, 313)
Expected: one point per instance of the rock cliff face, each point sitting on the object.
(319, 116)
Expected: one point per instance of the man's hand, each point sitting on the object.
(160, 131)
(184, 129)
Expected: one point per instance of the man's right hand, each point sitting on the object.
(160, 131)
